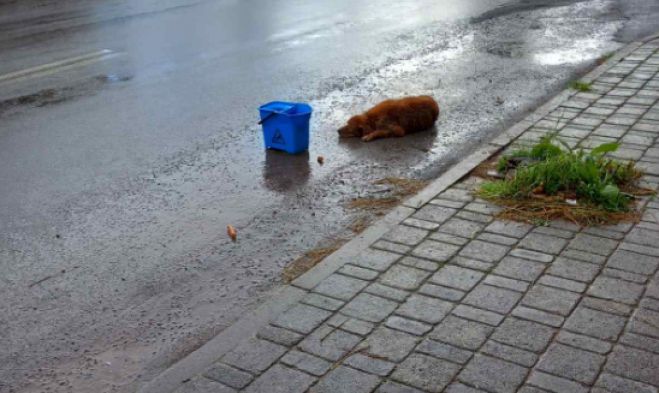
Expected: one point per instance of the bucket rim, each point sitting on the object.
(307, 108)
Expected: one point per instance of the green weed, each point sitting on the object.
(580, 86)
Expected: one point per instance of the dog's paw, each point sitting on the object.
(368, 137)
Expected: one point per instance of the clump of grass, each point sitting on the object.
(547, 182)
(580, 86)
(602, 59)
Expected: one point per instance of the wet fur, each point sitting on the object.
(393, 118)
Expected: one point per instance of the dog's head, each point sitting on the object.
(357, 127)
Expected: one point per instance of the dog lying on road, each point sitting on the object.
(393, 118)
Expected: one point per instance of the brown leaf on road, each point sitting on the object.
(231, 231)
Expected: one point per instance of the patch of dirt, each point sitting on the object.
(308, 260)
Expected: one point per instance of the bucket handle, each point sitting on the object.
(269, 115)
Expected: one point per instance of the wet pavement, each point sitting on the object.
(121, 172)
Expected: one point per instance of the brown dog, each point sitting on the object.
(393, 118)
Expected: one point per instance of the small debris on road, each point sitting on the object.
(321, 160)
(231, 231)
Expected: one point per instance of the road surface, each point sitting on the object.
(128, 141)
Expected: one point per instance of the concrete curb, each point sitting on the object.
(284, 297)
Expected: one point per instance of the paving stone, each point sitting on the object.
(498, 239)
(606, 306)
(555, 384)
(633, 262)
(435, 251)
(583, 342)
(280, 379)
(555, 232)
(375, 259)
(634, 364)
(448, 238)
(392, 387)
(615, 383)
(369, 307)
(531, 389)
(280, 336)
(340, 287)
(550, 299)
(424, 308)
(492, 298)
(408, 325)
(472, 264)
(456, 277)
(391, 345)
(329, 343)
(571, 363)
(623, 275)
(562, 283)
(305, 362)
(425, 372)
(391, 246)
(483, 208)
(460, 227)
(405, 235)
(520, 269)
(370, 364)
(479, 315)
(323, 302)
(642, 236)
(593, 244)
(645, 322)
(461, 332)
(543, 243)
(509, 228)
(639, 249)
(504, 282)
(301, 318)
(456, 194)
(523, 334)
(441, 292)
(573, 269)
(444, 351)
(508, 353)
(254, 355)
(641, 342)
(535, 315)
(615, 289)
(493, 374)
(419, 263)
(351, 325)
(595, 323)
(584, 256)
(447, 203)
(473, 216)
(346, 380)
(650, 303)
(387, 292)
(200, 384)
(228, 375)
(427, 225)
(434, 213)
(404, 277)
(358, 272)
(484, 251)
(460, 388)
(604, 232)
(531, 255)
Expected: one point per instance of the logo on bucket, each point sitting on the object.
(278, 138)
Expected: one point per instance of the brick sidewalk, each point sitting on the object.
(453, 300)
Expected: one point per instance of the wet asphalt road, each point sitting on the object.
(118, 175)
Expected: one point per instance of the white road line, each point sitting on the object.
(58, 66)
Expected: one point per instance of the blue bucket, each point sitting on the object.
(286, 126)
